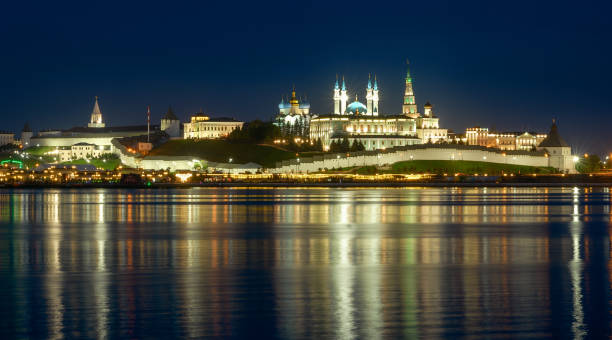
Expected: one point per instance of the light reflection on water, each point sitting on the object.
(291, 263)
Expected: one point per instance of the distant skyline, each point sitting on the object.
(510, 66)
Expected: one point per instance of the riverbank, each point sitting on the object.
(308, 185)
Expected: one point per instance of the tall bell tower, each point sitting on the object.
(409, 107)
(96, 116)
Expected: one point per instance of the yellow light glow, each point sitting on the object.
(183, 176)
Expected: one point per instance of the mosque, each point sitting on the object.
(365, 123)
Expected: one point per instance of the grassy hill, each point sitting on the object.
(447, 167)
(465, 167)
(39, 150)
(217, 150)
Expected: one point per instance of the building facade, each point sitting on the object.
(6, 138)
(81, 151)
(525, 141)
(202, 126)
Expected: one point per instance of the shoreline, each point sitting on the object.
(308, 185)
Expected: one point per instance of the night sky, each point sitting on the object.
(510, 66)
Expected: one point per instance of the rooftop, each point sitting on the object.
(553, 139)
(170, 114)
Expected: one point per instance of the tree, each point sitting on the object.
(318, 146)
(357, 146)
(588, 163)
(291, 145)
(334, 147)
(255, 132)
(345, 145)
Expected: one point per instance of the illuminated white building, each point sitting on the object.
(202, 126)
(525, 141)
(81, 151)
(6, 138)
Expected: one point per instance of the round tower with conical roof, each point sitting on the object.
(558, 151)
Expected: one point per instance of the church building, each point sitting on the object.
(293, 116)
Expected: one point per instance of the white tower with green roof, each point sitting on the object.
(409, 107)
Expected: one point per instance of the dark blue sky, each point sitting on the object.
(511, 65)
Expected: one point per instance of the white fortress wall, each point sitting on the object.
(411, 153)
(68, 141)
(154, 163)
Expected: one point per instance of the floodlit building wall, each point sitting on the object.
(341, 160)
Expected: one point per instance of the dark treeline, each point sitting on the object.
(346, 146)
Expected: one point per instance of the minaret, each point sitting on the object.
(375, 97)
(343, 98)
(336, 97)
(369, 95)
(96, 116)
(409, 108)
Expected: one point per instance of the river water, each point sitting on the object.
(306, 262)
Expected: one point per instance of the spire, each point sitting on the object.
(375, 82)
(369, 81)
(409, 107)
(96, 109)
(96, 116)
(336, 87)
(343, 84)
(294, 100)
(408, 77)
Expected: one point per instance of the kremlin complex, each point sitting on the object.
(390, 136)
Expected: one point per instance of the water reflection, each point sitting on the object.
(365, 263)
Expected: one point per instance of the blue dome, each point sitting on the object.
(284, 105)
(354, 106)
